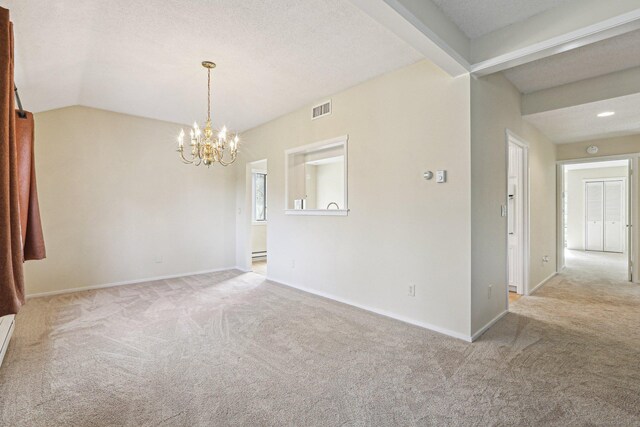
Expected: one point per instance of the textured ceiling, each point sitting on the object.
(143, 57)
(614, 54)
(478, 17)
(580, 123)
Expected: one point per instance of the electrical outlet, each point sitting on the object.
(490, 290)
(412, 290)
(158, 259)
(293, 263)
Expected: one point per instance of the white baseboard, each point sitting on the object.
(7, 324)
(544, 282)
(385, 313)
(488, 325)
(126, 282)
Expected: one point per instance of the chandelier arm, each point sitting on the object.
(220, 153)
(223, 163)
(184, 159)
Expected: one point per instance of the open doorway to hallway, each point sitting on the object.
(517, 211)
(596, 218)
(259, 217)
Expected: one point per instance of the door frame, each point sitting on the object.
(632, 210)
(244, 220)
(512, 137)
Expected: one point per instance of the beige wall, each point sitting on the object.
(495, 107)
(117, 204)
(575, 200)
(329, 185)
(401, 229)
(259, 237)
(606, 147)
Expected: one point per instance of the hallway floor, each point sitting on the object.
(603, 265)
(231, 348)
(259, 266)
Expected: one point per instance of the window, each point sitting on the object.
(259, 196)
(316, 178)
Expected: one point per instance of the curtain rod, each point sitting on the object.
(21, 112)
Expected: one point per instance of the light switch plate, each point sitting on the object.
(441, 176)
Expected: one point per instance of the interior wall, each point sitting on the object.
(606, 147)
(576, 204)
(401, 229)
(258, 238)
(118, 205)
(496, 107)
(330, 185)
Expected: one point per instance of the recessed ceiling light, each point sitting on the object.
(606, 114)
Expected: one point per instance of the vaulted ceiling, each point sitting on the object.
(143, 57)
(568, 57)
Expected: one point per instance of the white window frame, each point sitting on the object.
(255, 221)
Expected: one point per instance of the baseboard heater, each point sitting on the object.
(6, 330)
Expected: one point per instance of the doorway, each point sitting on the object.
(259, 217)
(596, 217)
(517, 211)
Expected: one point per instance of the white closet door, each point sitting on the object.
(594, 195)
(613, 216)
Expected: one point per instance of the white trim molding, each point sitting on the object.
(340, 141)
(522, 143)
(544, 282)
(381, 312)
(320, 212)
(127, 282)
(486, 327)
(7, 324)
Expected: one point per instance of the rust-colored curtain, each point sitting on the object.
(11, 255)
(30, 224)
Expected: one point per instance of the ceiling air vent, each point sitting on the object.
(321, 110)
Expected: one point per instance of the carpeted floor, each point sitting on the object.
(231, 349)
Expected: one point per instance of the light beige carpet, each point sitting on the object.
(231, 349)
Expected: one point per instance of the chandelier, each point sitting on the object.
(208, 145)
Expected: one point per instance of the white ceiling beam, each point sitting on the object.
(423, 26)
(558, 30)
(609, 86)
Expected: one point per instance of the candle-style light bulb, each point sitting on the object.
(181, 139)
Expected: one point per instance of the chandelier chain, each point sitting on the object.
(208, 93)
